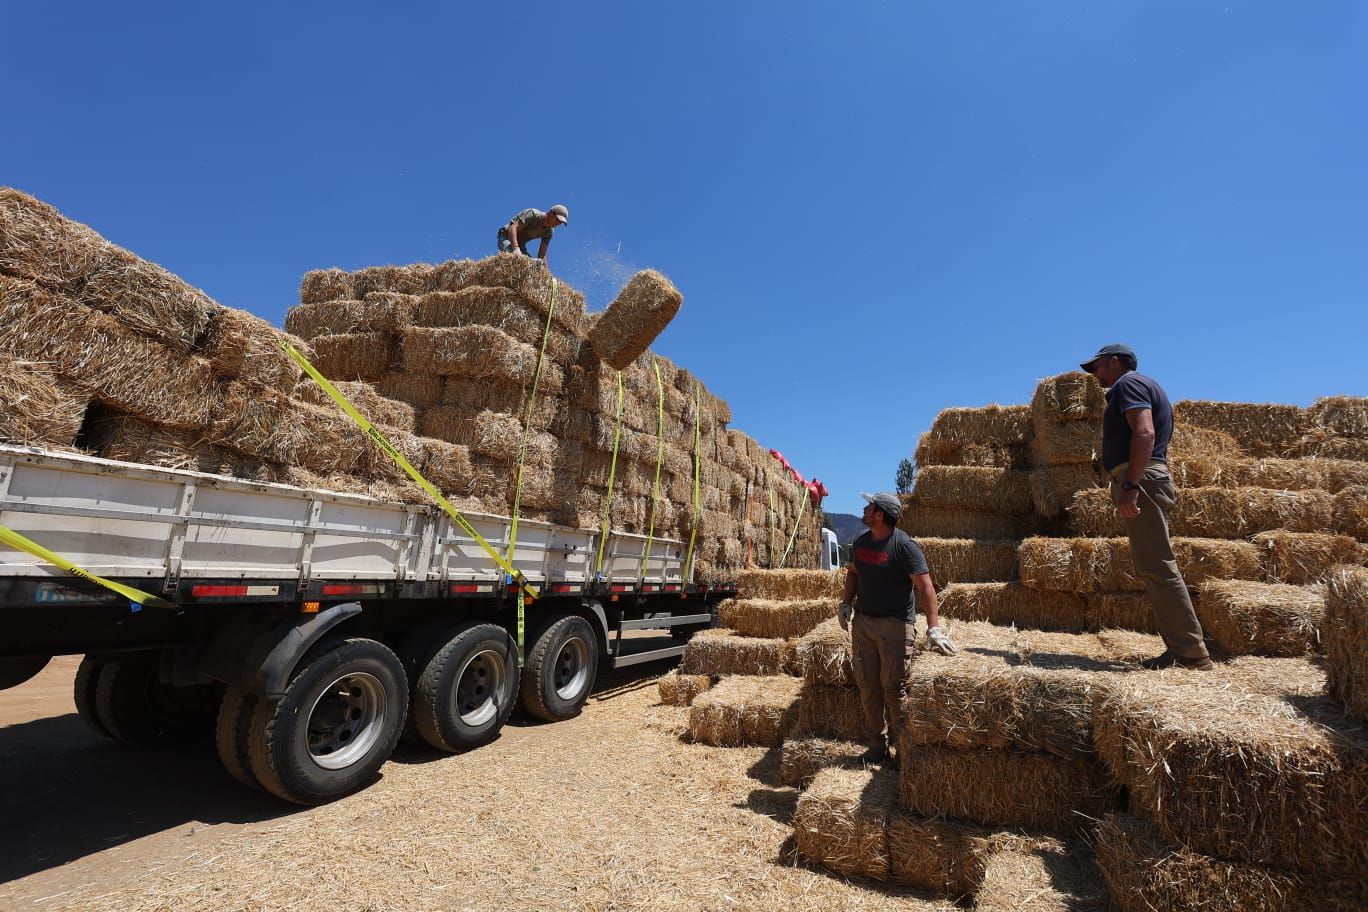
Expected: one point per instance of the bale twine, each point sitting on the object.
(37, 407)
(1261, 429)
(1346, 639)
(775, 617)
(841, 821)
(823, 653)
(1274, 619)
(974, 488)
(801, 759)
(1012, 603)
(680, 689)
(745, 710)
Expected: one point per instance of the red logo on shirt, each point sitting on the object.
(871, 556)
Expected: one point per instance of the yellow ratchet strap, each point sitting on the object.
(527, 424)
(796, 523)
(693, 525)
(137, 597)
(404, 464)
(773, 528)
(612, 474)
(660, 458)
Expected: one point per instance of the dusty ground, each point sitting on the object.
(608, 811)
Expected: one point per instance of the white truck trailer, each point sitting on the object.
(310, 629)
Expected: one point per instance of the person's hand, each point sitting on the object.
(1129, 504)
(939, 640)
(847, 610)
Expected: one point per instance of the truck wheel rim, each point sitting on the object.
(572, 669)
(346, 720)
(479, 687)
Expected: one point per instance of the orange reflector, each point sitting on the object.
(309, 607)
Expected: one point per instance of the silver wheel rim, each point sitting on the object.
(346, 720)
(479, 686)
(571, 669)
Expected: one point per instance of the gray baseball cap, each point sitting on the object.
(562, 213)
(1106, 351)
(885, 501)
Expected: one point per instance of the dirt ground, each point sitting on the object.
(608, 811)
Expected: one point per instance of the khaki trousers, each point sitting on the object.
(880, 648)
(1152, 554)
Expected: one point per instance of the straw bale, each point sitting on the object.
(1010, 424)
(1196, 442)
(775, 617)
(824, 654)
(130, 439)
(1068, 397)
(974, 488)
(1201, 471)
(1214, 512)
(1012, 603)
(1249, 777)
(723, 652)
(745, 710)
(321, 285)
(922, 520)
(680, 689)
(501, 396)
(1330, 475)
(932, 450)
(147, 299)
(947, 857)
(1305, 557)
(363, 396)
(475, 351)
(1346, 639)
(452, 275)
(1275, 619)
(1145, 873)
(37, 407)
(831, 711)
(1093, 513)
(377, 314)
(1125, 610)
(241, 346)
(1066, 442)
(644, 307)
(486, 432)
(419, 389)
(530, 279)
(800, 759)
(1344, 415)
(1104, 565)
(355, 356)
(405, 280)
(1328, 446)
(38, 244)
(841, 821)
(1261, 429)
(1004, 787)
(1350, 512)
(1053, 489)
(114, 365)
(791, 584)
(503, 309)
(965, 560)
(447, 466)
(270, 425)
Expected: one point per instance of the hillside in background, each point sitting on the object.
(845, 525)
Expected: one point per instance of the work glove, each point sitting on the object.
(939, 640)
(847, 610)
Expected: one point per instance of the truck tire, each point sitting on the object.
(83, 693)
(415, 651)
(561, 665)
(233, 733)
(134, 705)
(336, 725)
(466, 691)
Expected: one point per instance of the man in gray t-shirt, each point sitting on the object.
(528, 225)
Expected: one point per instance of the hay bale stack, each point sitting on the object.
(824, 654)
(922, 520)
(1350, 510)
(724, 652)
(1214, 512)
(1273, 619)
(644, 307)
(1053, 488)
(841, 821)
(1346, 640)
(989, 490)
(995, 436)
(1252, 778)
(1261, 429)
(745, 710)
(965, 560)
(803, 758)
(780, 618)
(678, 689)
(1013, 603)
(1144, 873)
(1305, 557)
(831, 711)
(790, 584)
(38, 407)
(1067, 413)
(946, 857)
(1090, 565)
(1123, 610)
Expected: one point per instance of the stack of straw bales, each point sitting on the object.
(104, 352)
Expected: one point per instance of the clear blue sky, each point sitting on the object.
(875, 211)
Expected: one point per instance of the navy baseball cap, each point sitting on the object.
(1106, 351)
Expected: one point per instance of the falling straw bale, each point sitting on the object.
(801, 759)
(965, 560)
(1003, 787)
(790, 584)
(824, 654)
(1350, 512)
(946, 857)
(1261, 429)
(924, 520)
(643, 308)
(1254, 778)
(775, 617)
(974, 488)
(1346, 416)
(1275, 619)
(1012, 603)
(1053, 489)
(320, 286)
(355, 356)
(841, 821)
(377, 314)
(38, 408)
(745, 710)
(1066, 442)
(1144, 873)
(831, 711)
(680, 689)
(723, 652)
(1346, 640)
(1124, 610)
(1068, 397)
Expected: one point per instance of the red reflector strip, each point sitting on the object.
(232, 591)
(469, 588)
(620, 587)
(350, 589)
(564, 587)
(649, 588)
(671, 588)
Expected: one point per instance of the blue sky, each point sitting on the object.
(874, 211)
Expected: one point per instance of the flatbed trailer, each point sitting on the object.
(310, 629)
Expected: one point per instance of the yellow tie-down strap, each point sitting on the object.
(404, 464)
(136, 596)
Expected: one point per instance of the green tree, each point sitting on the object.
(906, 478)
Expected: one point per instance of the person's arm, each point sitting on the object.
(1141, 421)
(546, 242)
(513, 234)
(852, 583)
(926, 597)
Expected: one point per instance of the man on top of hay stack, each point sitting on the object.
(1136, 428)
(528, 225)
(887, 570)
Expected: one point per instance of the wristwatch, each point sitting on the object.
(1128, 485)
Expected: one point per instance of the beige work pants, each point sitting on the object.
(880, 648)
